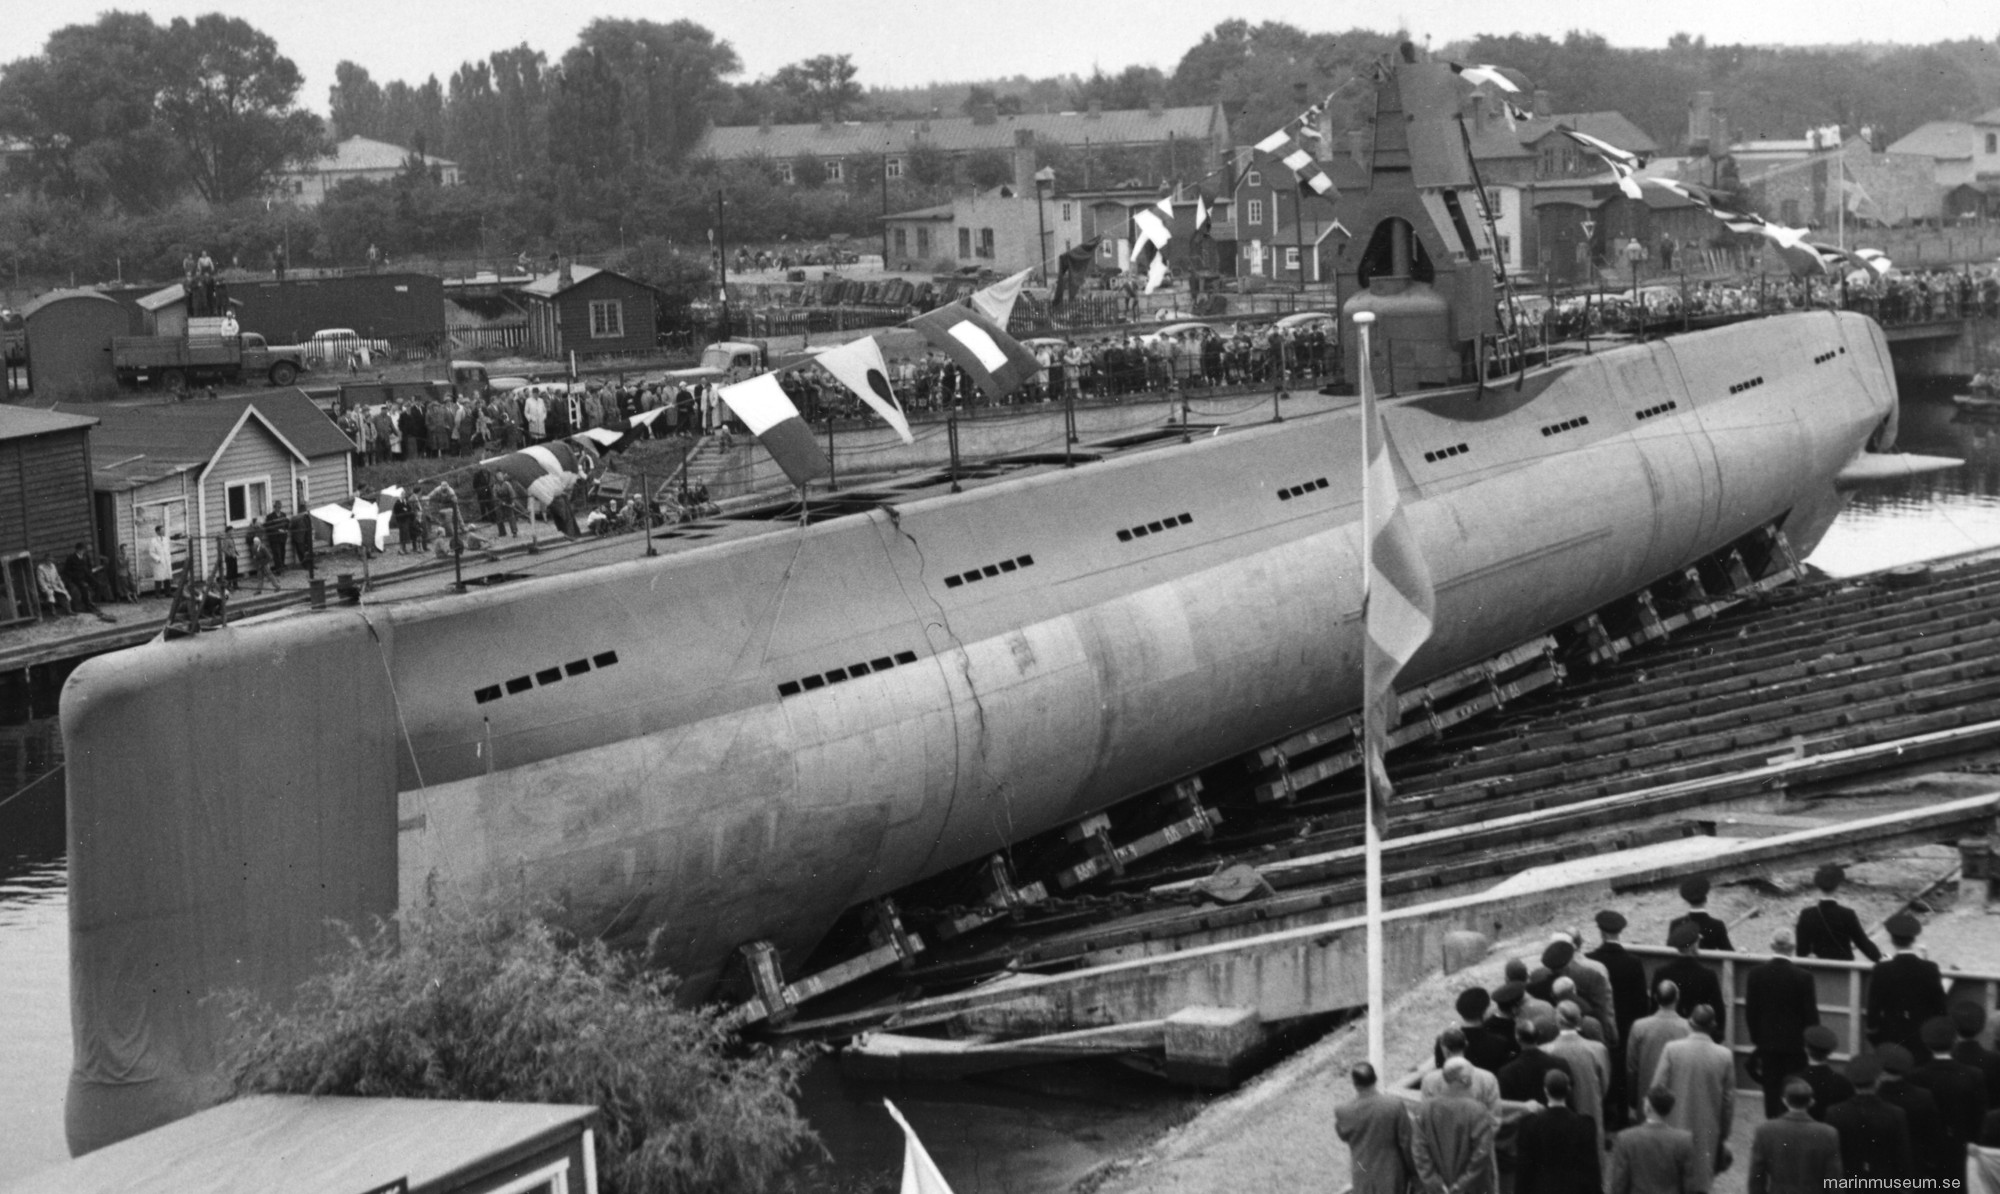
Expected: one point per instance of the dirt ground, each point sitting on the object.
(1277, 1133)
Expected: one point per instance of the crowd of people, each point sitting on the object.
(1587, 1073)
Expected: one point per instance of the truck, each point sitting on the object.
(176, 362)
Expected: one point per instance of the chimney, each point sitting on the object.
(764, 122)
(1096, 110)
(1476, 112)
(825, 121)
(1718, 137)
(1154, 108)
(1024, 162)
(1542, 104)
(985, 113)
(565, 277)
(1357, 145)
(1701, 121)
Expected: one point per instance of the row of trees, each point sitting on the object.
(128, 121)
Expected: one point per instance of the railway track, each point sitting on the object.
(1606, 735)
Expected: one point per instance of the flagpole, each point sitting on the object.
(1371, 835)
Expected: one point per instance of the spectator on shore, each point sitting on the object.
(1654, 1155)
(1792, 1153)
(1453, 1137)
(1701, 1073)
(1779, 1004)
(277, 529)
(260, 560)
(55, 594)
(1830, 1087)
(1377, 1131)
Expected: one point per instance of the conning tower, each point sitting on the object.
(1426, 265)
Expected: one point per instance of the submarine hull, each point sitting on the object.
(738, 742)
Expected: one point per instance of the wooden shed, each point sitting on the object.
(45, 505)
(590, 312)
(200, 466)
(69, 344)
(325, 1145)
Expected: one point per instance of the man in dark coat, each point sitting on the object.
(1714, 934)
(1905, 989)
(1794, 1154)
(1556, 1150)
(1874, 1135)
(277, 533)
(1521, 1080)
(1969, 1020)
(1779, 1004)
(1960, 1091)
(1629, 997)
(1830, 1087)
(1654, 1155)
(1925, 1122)
(1452, 1145)
(1698, 984)
(1484, 1048)
(1376, 1130)
(1829, 929)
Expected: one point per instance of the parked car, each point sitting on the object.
(338, 346)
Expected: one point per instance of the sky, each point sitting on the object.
(900, 43)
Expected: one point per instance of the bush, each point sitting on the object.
(491, 1003)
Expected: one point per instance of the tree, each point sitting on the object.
(1265, 75)
(85, 106)
(493, 1004)
(355, 102)
(1133, 87)
(671, 77)
(819, 88)
(226, 94)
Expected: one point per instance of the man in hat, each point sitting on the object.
(1483, 1048)
(1655, 1155)
(1505, 1014)
(1830, 1087)
(1793, 1153)
(1376, 1129)
(1629, 999)
(1830, 929)
(1779, 1003)
(1905, 990)
(1698, 985)
(1968, 1020)
(1713, 933)
(1453, 1137)
(1521, 1078)
(1701, 1072)
(1480, 1084)
(1649, 1037)
(1923, 1120)
(1593, 989)
(1960, 1089)
(1874, 1134)
(1557, 1150)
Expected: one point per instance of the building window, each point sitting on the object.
(965, 242)
(833, 169)
(1256, 179)
(248, 501)
(785, 174)
(1548, 162)
(902, 239)
(923, 242)
(1506, 248)
(893, 167)
(1067, 213)
(1993, 143)
(986, 242)
(607, 319)
(1292, 257)
(1790, 212)
(1254, 211)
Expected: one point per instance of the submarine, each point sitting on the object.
(766, 725)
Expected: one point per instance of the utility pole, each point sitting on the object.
(721, 265)
(885, 206)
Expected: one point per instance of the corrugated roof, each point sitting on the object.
(19, 422)
(1939, 139)
(35, 304)
(136, 444)
(360, 154)
(1611, 127)
(962, 133)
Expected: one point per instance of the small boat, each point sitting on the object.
(1983, 401)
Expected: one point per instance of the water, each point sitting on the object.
(1029, 1133)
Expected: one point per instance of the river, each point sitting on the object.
(1032, 1133)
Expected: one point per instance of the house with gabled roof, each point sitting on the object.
(198, 466)
(589, 311)
(357, 157)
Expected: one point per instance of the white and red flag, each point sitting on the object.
(992, 358)
(768, 412)
(859, 367)
(997, 301)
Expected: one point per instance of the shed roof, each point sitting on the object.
(358, 154)
(56, 296)
(20, 422)
(1938, 139)
(550, 285)
(314, 1145)
(136, 445)
(963, 133)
